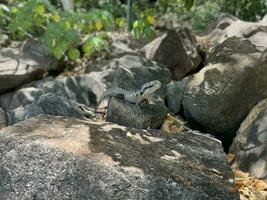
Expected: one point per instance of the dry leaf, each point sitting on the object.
(230, 158)
(250, 188)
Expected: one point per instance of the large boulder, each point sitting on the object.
(175, 94)
(176, 50)
(37, 52)
(65, 158)
(3, 118)
(82, 89)
(50, 104)
(221, 22)
(219, 97)
(250, 143)
(255, 32)
(148, 115)
(15, 71)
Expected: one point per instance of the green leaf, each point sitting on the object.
(57, 52)
(40, 9)
(188, 4)
(74, 54)
(88, 48)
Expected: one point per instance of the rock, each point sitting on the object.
(3, 118)
(255, 32)
(14, 71)
(221, 22)
(50, 104)
(134, 71)
(176, 50)
(4, 40)
(5, 100)
(82, 89)
(24, 97)
(175, 93)
(119, 49)
(22, 113)
(147, 116)
(50, 157)
(264, 20)
(36, 51)
(250, 143)
(219, 97)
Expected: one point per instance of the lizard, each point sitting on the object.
(132, 96)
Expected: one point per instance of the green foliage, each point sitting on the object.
(96, 20)
(143, 27)
(83, 32)
(245, 9)
(202, 15)
(95, 44)
(29, 18)
(4, 11)
(188, 4)
(61, 31)
(60, 37)
(73, 54)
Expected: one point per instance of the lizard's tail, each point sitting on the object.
(102, 98)
(116, 92)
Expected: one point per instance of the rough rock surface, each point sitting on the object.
(15, 71)
(175, 93)
(264, 20)
(255, 32)
(64, 158)
(4, 40)
(144, 116)
(250, 143)
(221, 22)
(131, 72)
(176, 50)
(36, 51)
(3, 118)
(220, 96)
(50, 104)
(82, 89)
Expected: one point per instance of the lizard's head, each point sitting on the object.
(150, 87)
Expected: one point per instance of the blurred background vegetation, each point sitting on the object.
(85, 31)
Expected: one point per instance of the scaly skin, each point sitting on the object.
(135, 97)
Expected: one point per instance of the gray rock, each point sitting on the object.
(5, 100)
(176, 50)
(255, 32)
(22, 113)
(24, 97)
(63, 158)
(175, 93)
(4, 40)
(119, 49)
(221, 22)
(50, 104)
(36, 51)
(144, 116)
(220, 96)
(15, 71)
(3, 118)
(264, 20)
(82, 89)
(250, 143)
